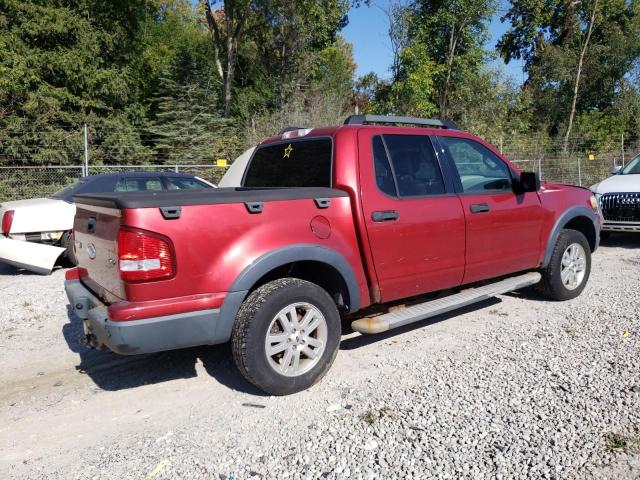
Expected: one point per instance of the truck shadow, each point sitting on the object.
(113, 372)
(358, 341)
(11, 271)
(621, 240)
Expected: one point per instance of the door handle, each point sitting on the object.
(480, 208)
(385, 216)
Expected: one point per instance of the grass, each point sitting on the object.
(369, 417)
(621, 442)
(372, 416)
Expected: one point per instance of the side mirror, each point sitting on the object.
(528, 182)
(616, 170)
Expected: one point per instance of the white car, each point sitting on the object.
(619, 198)
(36, 233)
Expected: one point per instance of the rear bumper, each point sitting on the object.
(36, 257)
(621, 226)
(202, 327)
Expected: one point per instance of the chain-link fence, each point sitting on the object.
(38, 163)
(577, 163)
(33, 182)
(34, 164)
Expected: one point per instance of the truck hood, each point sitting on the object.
(618, 183)
(40, 215)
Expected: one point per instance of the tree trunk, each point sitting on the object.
(454, 37)
(576, 85)
(444, 93)
(215, 38)
(234, 22)
(232, 48)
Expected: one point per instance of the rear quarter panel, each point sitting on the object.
(213, 244)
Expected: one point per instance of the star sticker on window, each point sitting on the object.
(287, 151)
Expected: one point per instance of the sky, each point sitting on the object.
(367, 32)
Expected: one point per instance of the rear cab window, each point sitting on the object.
(301, 163)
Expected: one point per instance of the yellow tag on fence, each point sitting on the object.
(221, 162)
(592, 156)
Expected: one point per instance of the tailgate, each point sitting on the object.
(96, 247)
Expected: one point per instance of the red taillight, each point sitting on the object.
(72, 274)
(144, 256)
(7, 220)
(75, 273)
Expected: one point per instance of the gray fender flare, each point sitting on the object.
(272, 260)
(566, 217)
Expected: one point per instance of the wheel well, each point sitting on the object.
(322, 274)
(585, 226)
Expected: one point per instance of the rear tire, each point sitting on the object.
(286, 336)
(569, 268)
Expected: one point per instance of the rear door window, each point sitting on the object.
(413, 163)
(133, 184)
(305, 163)
(184, 183)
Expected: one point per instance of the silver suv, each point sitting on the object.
(619, 198)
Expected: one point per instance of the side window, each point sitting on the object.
(480, 170)
(153, 184)
(384, 174)
(132, 184)
(184, 183)
(413, 163)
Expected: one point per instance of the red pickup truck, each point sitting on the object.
(377, 223)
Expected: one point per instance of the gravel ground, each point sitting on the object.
(516, 387)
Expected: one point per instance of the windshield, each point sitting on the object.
(67, 192)
(633, 167)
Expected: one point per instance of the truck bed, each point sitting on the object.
(214, 236)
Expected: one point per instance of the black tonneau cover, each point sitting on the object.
(180, 198)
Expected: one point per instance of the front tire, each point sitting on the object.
(286, 336)
(569, 268)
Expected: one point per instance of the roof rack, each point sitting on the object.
(423, 122)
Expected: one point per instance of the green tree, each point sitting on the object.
(187, 125)
(322, 94)
(259, 45)
(577, 54)
(450, 34)
(62, 65)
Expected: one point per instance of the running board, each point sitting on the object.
(415, 313)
